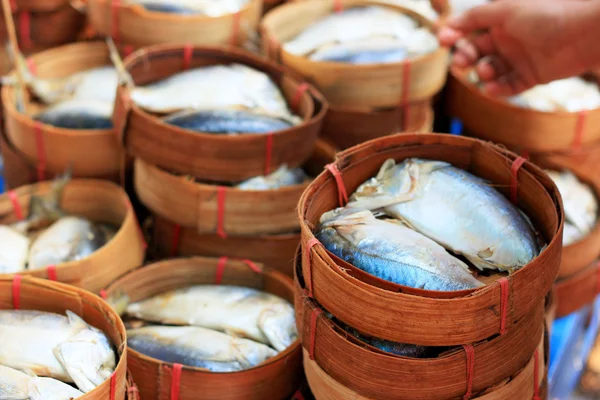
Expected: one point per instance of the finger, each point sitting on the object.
(460, 60)
(483, 17)
(507, 85)
(491, 67)
(467, 50)
(448, 36)
(484, 43)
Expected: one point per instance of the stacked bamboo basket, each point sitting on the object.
(496, 333)
(366, 101)
(554, 141)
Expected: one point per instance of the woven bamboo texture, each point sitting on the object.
(40, 5)
(89, 153)
(42, 295)
(432, 318)
(276, 378)
(497, 120)
(349, 127)
(221, 158)
(577, 291)
(345, 85)
(139, 27)
(100, 201)
(17, 171)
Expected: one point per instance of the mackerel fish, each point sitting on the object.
(227, 121)
(393, 252)
(282, 177)
(17, 385)
(198, 347)
(238, 311)
(56, 346)
(458, 210)
(210, 8)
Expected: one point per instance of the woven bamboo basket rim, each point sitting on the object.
(74, 272)
(339, 353)
(577, 291)
(140, 124)
(58, 297)
(325, 71)
(439, 313)
(40, 5)
(184, 272)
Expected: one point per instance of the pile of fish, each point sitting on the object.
(363, 35)
(41, 351)
(224, 99)
(282, 177)
(580, 204)
(209, 8)
(217, 327)
(571, 95)
(49, 236)
(432, 214)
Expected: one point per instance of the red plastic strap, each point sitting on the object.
(313, 331)
(235, 30)
(176, 240)
(338, 6)
(253, 266)
(579, 128)
(41, 151)
(103, 294)
(127, 50)
(25, 29)
(12, 195)
(298, 395)
(297, 98)
(337, 175)
(187, 56)
(51, 270)
(470, 353)
(525, 154)
(113, 386)
(405, 94)
(221, 193)
(31, 66)
(308, 279)
(514, 183)
(16, 292)
(114, 10)
(220, 269)
(268, 153)
(504, 289)
(176, 381)
(536, 375)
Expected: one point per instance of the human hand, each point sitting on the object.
(515, 44)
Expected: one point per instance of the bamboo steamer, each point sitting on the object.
(206, 156)
(17, 171)
(39, 27)
(497, 120)
(99, 201)
(577, 291)
(345, 85)
(89, 153)
(276, 378)
(276, 251)
(349, 127)
(432, 318)
(581, 254)
(42, 295)
(139, 27)
(40, 5)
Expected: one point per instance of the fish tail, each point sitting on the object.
(115, 57)
(119, 302)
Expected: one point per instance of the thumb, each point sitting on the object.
(483, 17)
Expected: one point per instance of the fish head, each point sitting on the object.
(278, 324)
(345, 216)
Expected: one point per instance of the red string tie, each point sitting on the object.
(16, 292)
(103, 294)
(176, 381)
(51, 271)
(113, 386)
(470, 354)
(221, 194)
(308, 281)
(222, 263)
(313, 331)
(12, 195)
(338, 7)
(127, 50)
(514, 183)
(187, 56)
(504, 289)
(579, 129)
(339, 181)
(268, 152)
(31, 65)
(41, 151)
(13, 5)
(176, 240)
(297, 97)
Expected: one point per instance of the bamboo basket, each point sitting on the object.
(432, 318)
(497, 120)
(42, 295)
(349, 127)
(276, 251)
(270, 4)
(345, 85)
(577, 291)
(581, 254)
(382, 376)
(277, 378)
(89, 153)
(45, 28)
(206, 156)
(40, 5)
(17, 171)
(139, 27)
(99, 201)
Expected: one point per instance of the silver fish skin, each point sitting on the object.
(211, 8)
(68, 239)
(78, 114)
(237, 311)
(56, 346)
(393, 252)
(17, 385)
(198, 347)
(227, 122)
(14, 249)
(282, 177)
(458, 210)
